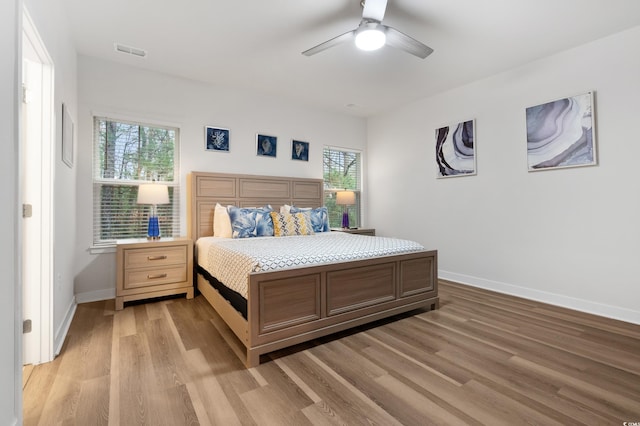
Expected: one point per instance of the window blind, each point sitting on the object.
(125, 155)
(342, 169)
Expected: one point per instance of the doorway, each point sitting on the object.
(36, 187)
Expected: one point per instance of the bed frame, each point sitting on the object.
(292, 306)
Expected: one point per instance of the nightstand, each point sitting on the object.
(361, 231)
(156, 268)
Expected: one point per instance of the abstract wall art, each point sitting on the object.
(216, 139)
(455, 149)
(561, 133)
(267, 146)
(299, 150)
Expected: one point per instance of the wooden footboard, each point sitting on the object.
(296, 305)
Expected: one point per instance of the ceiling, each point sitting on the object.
(257, 44)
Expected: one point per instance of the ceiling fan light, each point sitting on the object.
(370, 39)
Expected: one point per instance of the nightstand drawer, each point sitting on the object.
(156, 257)
(137, 278)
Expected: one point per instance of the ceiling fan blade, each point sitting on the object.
(402, 41)
(374, 9)
(330, 43)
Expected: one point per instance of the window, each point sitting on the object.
(341, 170)
(125, 155)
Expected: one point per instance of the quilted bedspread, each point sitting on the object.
(231, 261)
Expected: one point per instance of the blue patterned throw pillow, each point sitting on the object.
(319, 217)
(250, 222)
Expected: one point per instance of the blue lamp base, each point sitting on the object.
(153, 230)
(345, 220)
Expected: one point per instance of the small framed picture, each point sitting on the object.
(216, 139)
(266, 146)
(67, 137)
(299, 150)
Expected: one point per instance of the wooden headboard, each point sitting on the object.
(205, 189)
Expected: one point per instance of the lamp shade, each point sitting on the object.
(153, 193)
(345, 198)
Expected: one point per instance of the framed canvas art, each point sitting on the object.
(266, 146)
(299, 150)
(67, 137)
(561, 133)
(216, 139)
(455, 149)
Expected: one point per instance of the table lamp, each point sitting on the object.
(345, 198)
(153, 194)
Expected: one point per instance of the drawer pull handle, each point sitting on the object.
(156, 276)
(162, 257)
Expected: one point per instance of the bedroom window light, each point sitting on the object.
(125, 155)
(342, 170)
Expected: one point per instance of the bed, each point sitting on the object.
(285, 307)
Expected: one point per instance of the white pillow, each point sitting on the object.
(285, 209)
(221, 222)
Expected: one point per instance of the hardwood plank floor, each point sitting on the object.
(483, 358)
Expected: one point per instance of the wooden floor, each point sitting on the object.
(482, 358)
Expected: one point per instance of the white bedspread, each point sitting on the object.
(232, 260)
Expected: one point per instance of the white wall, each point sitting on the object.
(10, 355)
(48, 17)
(126, 92)
(570, 237)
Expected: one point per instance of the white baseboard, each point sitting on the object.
(96, 296)
(61, 332)
(91, 296)
(577, 304)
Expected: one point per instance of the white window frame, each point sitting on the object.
(330, 190)
(104, 245)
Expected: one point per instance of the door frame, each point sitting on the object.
(41, 296)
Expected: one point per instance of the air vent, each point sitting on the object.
(130, 50)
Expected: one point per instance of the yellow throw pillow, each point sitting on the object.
(285, 224)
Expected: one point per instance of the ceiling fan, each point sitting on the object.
(371, 34)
